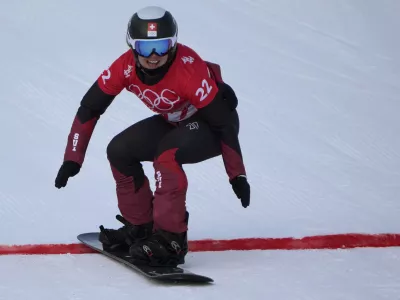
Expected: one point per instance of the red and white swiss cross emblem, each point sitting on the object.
(152, 29)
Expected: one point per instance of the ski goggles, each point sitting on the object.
(146, 48)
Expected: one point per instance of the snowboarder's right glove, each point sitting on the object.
(68, 169)
(242, 189)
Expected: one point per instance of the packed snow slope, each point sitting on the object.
(319, 91)
(367, 274)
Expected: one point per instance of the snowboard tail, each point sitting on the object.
(168, 274)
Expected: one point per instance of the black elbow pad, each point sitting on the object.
(228, 94)
(94, 103)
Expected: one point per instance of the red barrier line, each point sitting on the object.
(337, 241)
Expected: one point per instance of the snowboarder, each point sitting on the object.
(195, 119)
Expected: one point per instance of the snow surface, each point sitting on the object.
(361, 274)
(318, 85)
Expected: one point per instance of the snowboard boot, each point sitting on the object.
(122, 238)
(161, 249)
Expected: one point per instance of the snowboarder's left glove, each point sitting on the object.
(242, 189)
(67, 170)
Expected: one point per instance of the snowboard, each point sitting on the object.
(165, 274)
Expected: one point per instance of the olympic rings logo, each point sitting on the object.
(163, 102)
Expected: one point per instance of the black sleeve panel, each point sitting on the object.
(220, 115)
(94, 103)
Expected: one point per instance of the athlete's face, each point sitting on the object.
(153, 62)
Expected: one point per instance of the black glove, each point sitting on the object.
(242, 189)
(67, 170)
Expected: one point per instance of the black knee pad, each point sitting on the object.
(115, 150)
(120, 158)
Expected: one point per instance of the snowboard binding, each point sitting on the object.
(124, 237)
